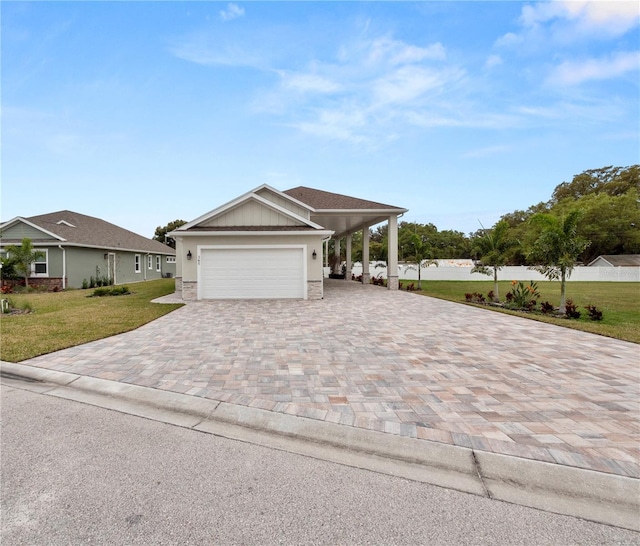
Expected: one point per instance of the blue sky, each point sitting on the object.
(141, 113)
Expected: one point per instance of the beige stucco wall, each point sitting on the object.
(187, 270)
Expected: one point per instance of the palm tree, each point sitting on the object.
(421, 257)
(493, 250)
(557, 248)
(23, 256)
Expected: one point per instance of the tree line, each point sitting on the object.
(604, 203)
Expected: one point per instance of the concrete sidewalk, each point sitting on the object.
(401, 365)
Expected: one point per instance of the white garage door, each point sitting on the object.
(252, 273)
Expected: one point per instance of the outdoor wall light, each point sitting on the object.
(106, 256)
(314, 255)
(189, 255)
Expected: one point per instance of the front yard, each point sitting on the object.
(618, 301)
(64, 319)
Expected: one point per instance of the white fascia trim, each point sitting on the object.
(285, 212)
(236, 202)
(285, 196)
(322, 232)
(99, 247)
(243, 197)
(377, 212)
(35, 226)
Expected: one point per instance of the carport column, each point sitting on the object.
(392, 254)
(336, 253)
(347, 275)
(366, 276)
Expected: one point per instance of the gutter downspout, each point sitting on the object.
(64, 267)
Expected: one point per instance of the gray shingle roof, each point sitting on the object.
(324, 200)
(94, 232)
(621, 260)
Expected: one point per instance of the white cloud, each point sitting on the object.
(409, 83)
(564, 19)
(307, 83)
(233, 11)
(493, 60)
(574, 73)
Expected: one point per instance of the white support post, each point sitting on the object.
(366, 275)
(392, 254)
(347, 275)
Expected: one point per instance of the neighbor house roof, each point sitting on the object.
(324, 200)
(619, 260)
(70, 228)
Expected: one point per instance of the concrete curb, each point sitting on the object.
(595, 496)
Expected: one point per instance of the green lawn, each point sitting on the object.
(65, 319)
(619, 302)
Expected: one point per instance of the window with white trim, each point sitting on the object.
(171, 259)
(158, 263)
(149, 261)
(137, 260)
(40, 267)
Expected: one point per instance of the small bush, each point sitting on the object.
(571, 310)
(491, 295)
(116, 291)
(546, 308)
(85, 284)
(594, 312)
(92, 282)
(475, 297)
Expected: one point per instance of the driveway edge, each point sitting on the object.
(604, 498)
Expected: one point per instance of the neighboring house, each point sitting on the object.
(269, 244)
(616, 260)
(77, 247)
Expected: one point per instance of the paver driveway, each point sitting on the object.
(394, 362)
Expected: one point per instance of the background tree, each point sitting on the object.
(557, 248)
(493, 248)
(22, 256)
(161, 232)
(421, 255)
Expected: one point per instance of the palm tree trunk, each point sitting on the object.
(496, 294)
(563, 297)
(419, 277)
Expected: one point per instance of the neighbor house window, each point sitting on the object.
(171, 259)
(137, 257)
(149, 261)
(158, 267)
(39, 267)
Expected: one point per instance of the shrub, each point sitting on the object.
(475, 297)
(523, 296)
(105, 291)
(594, 312)
(85, 284)
(491, 295)
(571, 310)
(546, 308)
(92, 282)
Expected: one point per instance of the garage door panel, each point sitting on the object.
(252, 273)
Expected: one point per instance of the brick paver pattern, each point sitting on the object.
(394, 362)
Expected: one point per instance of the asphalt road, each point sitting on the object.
(78, 474)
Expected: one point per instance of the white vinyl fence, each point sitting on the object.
(510, 273)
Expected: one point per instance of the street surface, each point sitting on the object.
(78, 474)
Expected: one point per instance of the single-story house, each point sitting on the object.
(269, 244)
(78, 247)
(616, 260)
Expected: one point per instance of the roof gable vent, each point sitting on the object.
(64, 223)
